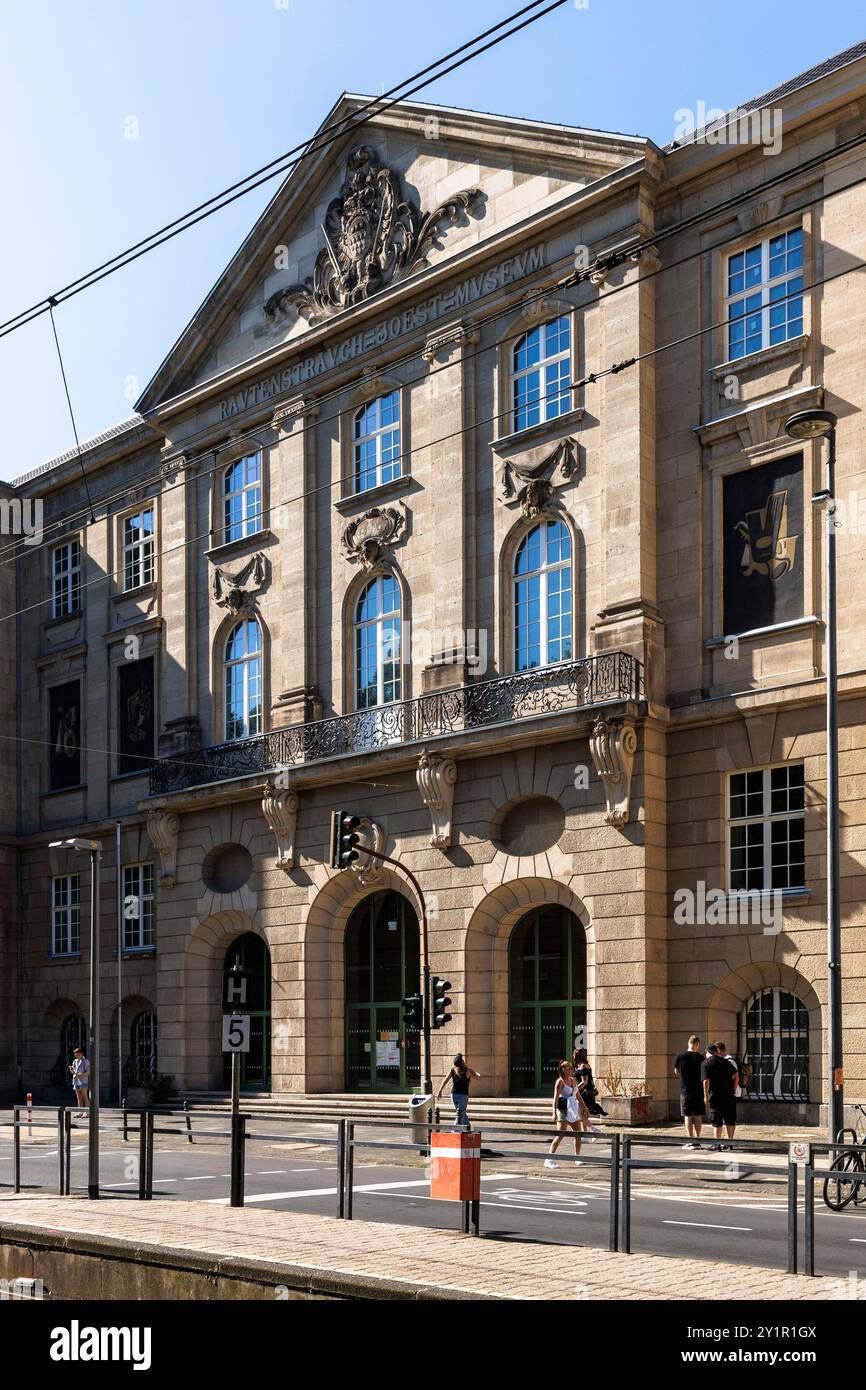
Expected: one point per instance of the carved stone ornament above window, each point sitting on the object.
(530, 483)
(280, 810)
(371, 235)
(235, 591)
(368, 538)
(613, 743)
(436, 775)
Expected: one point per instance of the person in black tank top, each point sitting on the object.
(460, 1076)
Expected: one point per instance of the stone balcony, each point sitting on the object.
(460, 715)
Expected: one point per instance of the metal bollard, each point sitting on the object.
(341, 1168)
(188, 1122)
(613, 1234)
(67, 1149)
(239, 1126)
(350, 1166)
(125, 1120)
(626, 1195)
(792, 1217)
(142, 1156)
(61, 1156)
(149, 1129)
(809, 1222)
(16, 1149)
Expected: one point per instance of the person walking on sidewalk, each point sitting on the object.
(720, 1081)
(587, 1089)
(692, 1104)
(460, 1075)
(568, 1112)
(80, 1074)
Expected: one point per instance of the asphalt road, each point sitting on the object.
(686, 1214)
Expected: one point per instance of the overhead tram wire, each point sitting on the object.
(62, 523)
(71, 411)
(284, 162)
(454, 434)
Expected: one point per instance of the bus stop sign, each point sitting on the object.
(236, 985)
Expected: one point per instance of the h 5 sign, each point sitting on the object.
(236, 1032)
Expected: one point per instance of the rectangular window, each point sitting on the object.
(376, 444)
(65, 579)
(139, 913)
(135, 716)
(138, 549)
(764, 294)
(767, 829)
(64, 736)
(66, 915)
(242, 498)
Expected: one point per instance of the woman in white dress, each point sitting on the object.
(569, 1112)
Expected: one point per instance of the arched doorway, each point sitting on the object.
(773, 1035)
(546, 996)
(383, 962)
(251, 955)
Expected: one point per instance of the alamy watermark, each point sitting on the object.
(714, 126)
(713, 907)
(22, 516)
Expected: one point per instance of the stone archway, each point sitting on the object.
(486, 970)
(190, 1030)
(323, 1040)
(728, 999)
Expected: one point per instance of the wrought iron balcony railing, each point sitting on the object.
(593, 680)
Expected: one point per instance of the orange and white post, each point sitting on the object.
(455, 1172)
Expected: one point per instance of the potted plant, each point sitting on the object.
(628, 1103)
(150, 1090)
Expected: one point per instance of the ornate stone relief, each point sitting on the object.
(371, 234)
(759, 214)
(368, 538)
(235, 591)
(366, 870)
(531, 485)
(280, 810)
(436, 776)
(163, 829)
(613, 743)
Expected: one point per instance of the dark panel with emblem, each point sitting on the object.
(763, 545)
(64, 736)
(135, 715)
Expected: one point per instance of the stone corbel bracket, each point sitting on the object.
(163, 829)
(366, 870)
(613, 744)
(436, 776)
(280, 810)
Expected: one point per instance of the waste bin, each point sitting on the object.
(421, 1114)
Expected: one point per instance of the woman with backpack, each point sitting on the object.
(460, 1075)
(586, 1086)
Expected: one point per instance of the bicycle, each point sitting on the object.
(837, 1195)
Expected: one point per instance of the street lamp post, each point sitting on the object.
(815, 424)
(94, 849)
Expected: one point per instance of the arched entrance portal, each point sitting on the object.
(382, 968)
(547, 996)
(250, 953)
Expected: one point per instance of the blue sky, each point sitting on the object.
(218, 87)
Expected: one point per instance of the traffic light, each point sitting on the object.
(344, 839)
(438, 1013)
(413, 1012)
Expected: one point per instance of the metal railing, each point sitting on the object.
(593, 680)
(840, 1176)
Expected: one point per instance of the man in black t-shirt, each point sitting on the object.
(692, 1107)
(720, 1080)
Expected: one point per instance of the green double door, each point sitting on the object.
(383, 964)
(547, 997)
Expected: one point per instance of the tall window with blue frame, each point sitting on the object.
(541, 373)
(242, 498)
(242, 671)
(376, 442)
(377, 643)
(764, 294)
(542, 597)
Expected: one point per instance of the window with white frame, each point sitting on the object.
(764, 293)
(138, 549)
(65, 579)
(66, 915)
(242, 680)
(766, 829)
(541, 373)
(242, 498)
(377, 643)
(542, 597)
(376, 442)
(139, 913)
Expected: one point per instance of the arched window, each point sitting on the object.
(774, 1039)
(73, 1033)
(141, 1064)
(541, 373)
(542, 597)
(242, 668)
(376, 442)
(242, 498)
(377, 644)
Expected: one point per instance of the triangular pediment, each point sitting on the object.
(407, 190)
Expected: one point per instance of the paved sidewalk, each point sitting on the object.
(373, 1260)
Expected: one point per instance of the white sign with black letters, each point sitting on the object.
(236, 1032)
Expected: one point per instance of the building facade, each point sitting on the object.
(422, 521)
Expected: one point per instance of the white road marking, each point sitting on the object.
(707, 1225)
(267, 1172)
(332, 1191)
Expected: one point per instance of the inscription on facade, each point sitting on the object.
(469, 290)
